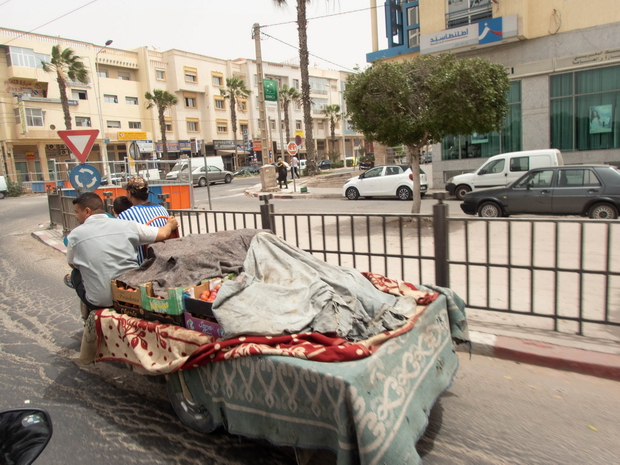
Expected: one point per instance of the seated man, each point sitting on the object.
(142, 210)
(103, 248)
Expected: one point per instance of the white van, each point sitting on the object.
(196, 162)
(4, 190)
(501, 170)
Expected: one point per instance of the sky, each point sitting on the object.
(216, 28)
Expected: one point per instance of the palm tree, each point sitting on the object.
(287, 95)
(332, 113)
(162, 99)
(302, 26)
(67, 66)
(235, 90)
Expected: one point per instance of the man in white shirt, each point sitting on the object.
(294, 167)
(103, 248)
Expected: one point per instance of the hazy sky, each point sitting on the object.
(218, 28)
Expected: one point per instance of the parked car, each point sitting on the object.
(247, 171)
(199, 175)
(324, 164)
(4, 190)
(196, 161)
(586, 190)
(115, 178)
(384, 181)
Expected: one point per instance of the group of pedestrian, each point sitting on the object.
(103, 247)
(282, 170)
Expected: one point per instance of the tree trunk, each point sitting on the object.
(302, 25)
(233, 120)
(162, 127)
(286, 122)
(62, 87)
(413, 155)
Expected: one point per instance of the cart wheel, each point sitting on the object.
(190, 414)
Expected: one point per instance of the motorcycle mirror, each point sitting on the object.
(24, 433)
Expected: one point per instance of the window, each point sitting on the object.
(168, 122)
(242, 105)
(296, 83)
(124, 75)
(520, 164)
(318, 85)
(297, 105)
(245, 130)
(17, 56)
(508, 139)
(320, 125)
(222, 126)
(192, 125)
(577, 178)
(82, 121)
(160, 74)
(35, 117)
(113, 124)
(135, 125)
(219, 103)
(583, 109)
(131, 100)
(535, 179)
(298, 124)
(190, 99)
(460, 13)
(413, 37)
(107, 98)
(413, 16)
(103, 73)
(79, 94)
(318, 105)
(218, 79)
(494, 167)
(191, 74)
(272, 123)
(255, 80)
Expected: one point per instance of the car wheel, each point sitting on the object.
(603, 211)
(461, 191)
(202, 182)
(422, 194)
(352, 193)
(190, 414)
(1, 195)
(403, 193)
(228, 179)
(489, 210)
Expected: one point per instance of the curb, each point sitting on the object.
(50, 239)
(292, 195)
(599, 364)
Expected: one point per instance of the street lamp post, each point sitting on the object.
(104, 145)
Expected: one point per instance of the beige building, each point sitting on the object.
(563, 59)
(113, 101)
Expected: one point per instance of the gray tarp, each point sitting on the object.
(284, 289)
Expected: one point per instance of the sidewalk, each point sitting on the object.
(595, 357)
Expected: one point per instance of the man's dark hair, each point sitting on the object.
(90, 200)
(121, 203)
(142, 194)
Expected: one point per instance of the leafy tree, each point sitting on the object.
(67, 66)
(302, 31)
(235, 90)
(416, 102)
(287, 95)
(162, 99)
(332, 113)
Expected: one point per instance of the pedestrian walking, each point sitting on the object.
(294, 167)
(281, 169)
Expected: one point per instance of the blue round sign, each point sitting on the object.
(85, 178)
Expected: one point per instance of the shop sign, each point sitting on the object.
(145, 146)
(223, 144)
(29, 155)
(131, 136)
(173, 146)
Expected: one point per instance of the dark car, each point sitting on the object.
(247, 171)
(324, 164)
(586, 190)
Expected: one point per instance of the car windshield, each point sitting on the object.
(179, 167)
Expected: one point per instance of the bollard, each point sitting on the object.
(440, 220)
(266, 213)
(165, 198)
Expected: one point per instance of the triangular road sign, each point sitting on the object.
(80, 141)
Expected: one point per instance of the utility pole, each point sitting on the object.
(262, 120)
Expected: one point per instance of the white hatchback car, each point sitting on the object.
(384, 181)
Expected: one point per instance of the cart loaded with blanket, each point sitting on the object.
(293, 349)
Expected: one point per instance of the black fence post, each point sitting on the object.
(266, 213)
(108, 202)
(165, 198)
(440, 231)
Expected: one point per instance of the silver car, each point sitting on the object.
(201, 177)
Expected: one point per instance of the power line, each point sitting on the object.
(4, 3)
(316, 56)
(49, 22)
(325, 16)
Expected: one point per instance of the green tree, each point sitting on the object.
(302, 32)
(333, 115)
(287, 95)
(235, 90)
(416, 102)
(67, 66)
(162, 99)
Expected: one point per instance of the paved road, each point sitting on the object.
(496, 411)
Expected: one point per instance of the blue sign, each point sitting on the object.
(85, 178)
(490, 30)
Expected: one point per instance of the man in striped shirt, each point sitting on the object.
(142, 210)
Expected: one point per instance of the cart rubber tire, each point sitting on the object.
(190, 414)
(460, 192)
(603, 211)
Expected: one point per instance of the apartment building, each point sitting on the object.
(563, 59)
(113, 101)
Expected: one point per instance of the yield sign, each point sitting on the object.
(80, 141)
(292, 148)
